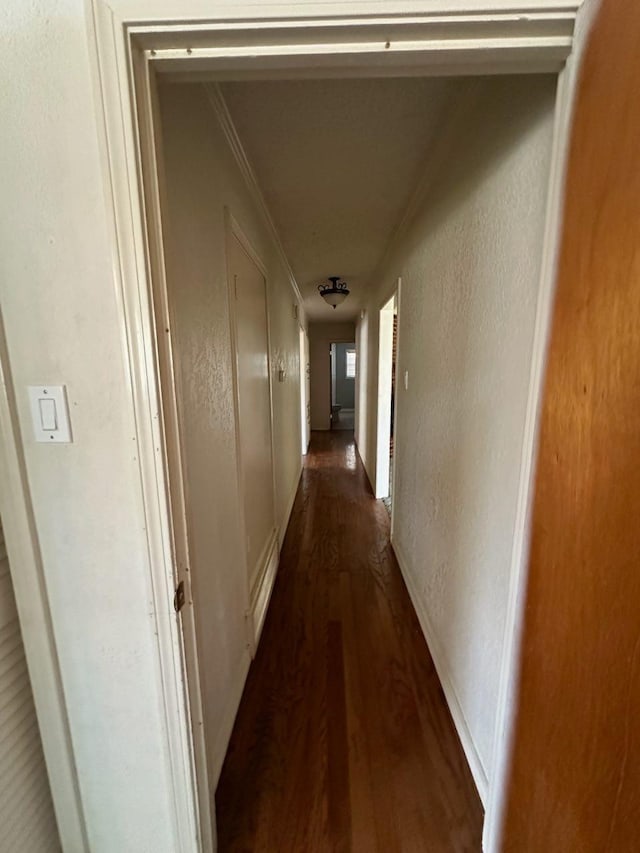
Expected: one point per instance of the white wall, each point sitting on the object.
(470, 264)
(363, 334)
(321, 336)
(202, 178)
(63, 324)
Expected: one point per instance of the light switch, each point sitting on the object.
(50, 413)
(406, 380)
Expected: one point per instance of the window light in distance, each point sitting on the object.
(351, 364)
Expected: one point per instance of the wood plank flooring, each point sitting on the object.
(343, 741)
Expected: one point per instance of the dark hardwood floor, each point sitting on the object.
(343, 740)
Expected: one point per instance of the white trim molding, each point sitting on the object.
(359, 38)
(263, 587)
(231, 705)
(119, 138)
(222, 114)
(284, 524)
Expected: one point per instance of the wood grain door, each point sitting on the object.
(575, 775)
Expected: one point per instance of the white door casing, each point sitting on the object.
(385, 368)
(304, 392)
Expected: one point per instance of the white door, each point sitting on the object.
(27, 820)
(303, 394)
(307, 387)
(254, 407)
(304, 391)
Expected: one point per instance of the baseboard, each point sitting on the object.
(287, 515)
(442, 668)
(261, 595)
(229, 717)
(261, 592)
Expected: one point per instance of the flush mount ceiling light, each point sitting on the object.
(335, 293)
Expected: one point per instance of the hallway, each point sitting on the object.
(343, 741)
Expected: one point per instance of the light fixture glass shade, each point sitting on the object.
(334, 298)
(335, 293)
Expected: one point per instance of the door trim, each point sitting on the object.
(126, 37)
(382, 447)
(396, 421)
(30, 592)
(178, 641)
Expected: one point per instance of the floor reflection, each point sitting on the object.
(350, 456)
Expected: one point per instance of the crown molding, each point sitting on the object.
(437, 153)
(189, 15)
(222, 114)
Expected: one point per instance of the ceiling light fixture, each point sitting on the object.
(335, 293)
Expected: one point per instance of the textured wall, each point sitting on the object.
(470, 267)
(63, 325)
(321, 336)
(202, 179)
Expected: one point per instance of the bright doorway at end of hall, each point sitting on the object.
(305, 391)
(343, 385)
(387, 358)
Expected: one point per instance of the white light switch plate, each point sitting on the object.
(50, 413)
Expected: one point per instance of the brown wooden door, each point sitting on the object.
(575, 774)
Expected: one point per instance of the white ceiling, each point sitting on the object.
(337, 161)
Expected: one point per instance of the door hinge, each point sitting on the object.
(178, 598)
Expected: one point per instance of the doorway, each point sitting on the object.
(305, 391)
(132, 319)
(387, 364)
(343, 362)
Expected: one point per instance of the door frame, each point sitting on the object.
(333, 376)
(397, 292)
(32, 603)
(131, 41)
(383, 407)
(303, 377)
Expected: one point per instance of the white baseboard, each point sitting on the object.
(229, 716)
(442, 668)
(287, 515)
(260, 598)
(261, 592)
